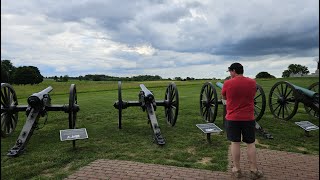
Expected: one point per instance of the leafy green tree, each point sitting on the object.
(7, 71)
(286, 73)
(65, 78)
(264, 75)
(4, 75)
(27, 75)
(295, 69)
(38, 77)
(55, 78)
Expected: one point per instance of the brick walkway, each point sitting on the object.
(275, 165)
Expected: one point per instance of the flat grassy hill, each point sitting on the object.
(46, 157)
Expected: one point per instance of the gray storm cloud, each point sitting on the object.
(121, 36)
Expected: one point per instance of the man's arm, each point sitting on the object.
(223, 91)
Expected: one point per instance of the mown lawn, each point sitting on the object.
(46, 157)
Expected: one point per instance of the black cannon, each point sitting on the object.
(284, 99)
(148, 103)
(38, 106)
(209, 105)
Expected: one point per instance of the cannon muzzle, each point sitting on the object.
(35, 100)
(147, 93)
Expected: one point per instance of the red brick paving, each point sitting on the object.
(275, 165)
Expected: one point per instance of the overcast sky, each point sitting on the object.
(170, 38)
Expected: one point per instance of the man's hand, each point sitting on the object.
(224, 100)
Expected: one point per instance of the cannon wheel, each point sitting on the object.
(172, 108)
(72, 110)
(120, 104)
(314, 87)
(259, 103)
(9, 120)
(282, 102)
(208, 102)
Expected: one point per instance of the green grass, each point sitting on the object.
(46, 157)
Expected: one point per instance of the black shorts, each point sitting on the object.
(236, 128)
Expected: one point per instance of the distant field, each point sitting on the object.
(46, 157)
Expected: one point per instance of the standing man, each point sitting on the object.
(239, 92)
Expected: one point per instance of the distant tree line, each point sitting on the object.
(19, 75)
(31, 75)
(102, 77)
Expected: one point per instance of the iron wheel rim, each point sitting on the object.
(9, 120)
(208, 103)
(260, 98)
(314, 87)
(172, 107)
(283, 98)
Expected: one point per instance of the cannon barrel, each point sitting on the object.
(219, 84)
(284, 98)
(36, 99)
(147, 93)
(305, 91)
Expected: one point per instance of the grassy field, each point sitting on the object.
(46, 157)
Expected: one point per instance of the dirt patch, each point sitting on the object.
(67, 167)
(301, 149)
(191, 150)
(205, 160)
(46, 173)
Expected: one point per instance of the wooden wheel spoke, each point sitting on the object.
(257, 107)
(278, 91)
(257, 96)
(288, 93)
(205, 111)
(4, 100)
(255, 111)
(173, 95)
(285, 91)
(316, 114)
(287, 111)
(277, 107)
(282, 89)
(279, 111)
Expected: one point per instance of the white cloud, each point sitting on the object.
(172, 38)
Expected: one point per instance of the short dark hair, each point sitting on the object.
(237, 67)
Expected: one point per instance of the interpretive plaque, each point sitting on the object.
(73, 134)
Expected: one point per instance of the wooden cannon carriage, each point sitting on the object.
(38, 106)
(148, 103)
(284, 99)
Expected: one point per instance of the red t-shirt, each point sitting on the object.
(239, 92)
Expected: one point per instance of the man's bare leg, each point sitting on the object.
(251, 152)
(235, 153)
